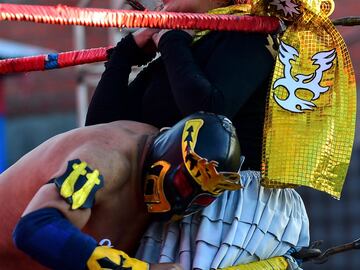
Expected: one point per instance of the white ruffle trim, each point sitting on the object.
(242, 226)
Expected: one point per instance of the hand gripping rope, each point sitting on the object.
(94, 17)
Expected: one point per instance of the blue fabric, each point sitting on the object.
(52, 61)
(289, 255)
(48, 237)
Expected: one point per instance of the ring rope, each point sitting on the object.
(53, 60)
(95, 17)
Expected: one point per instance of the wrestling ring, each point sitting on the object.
(106, 18)
(94, 17)
(116, 19)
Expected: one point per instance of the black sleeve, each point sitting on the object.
(238, 65)
(110, 101)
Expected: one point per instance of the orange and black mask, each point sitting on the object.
(191, 164)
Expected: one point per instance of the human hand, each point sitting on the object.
(166, 266)
(143, 36)
(311, 253)
(143, 39)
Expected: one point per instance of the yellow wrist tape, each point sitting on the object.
(275, 263)
(105, 257)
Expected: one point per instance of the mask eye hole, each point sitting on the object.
(182, 184)
(149, 187)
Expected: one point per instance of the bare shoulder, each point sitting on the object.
(109, 148)
(114, 151)
(133, 126)
(110, 152)
(106, 147)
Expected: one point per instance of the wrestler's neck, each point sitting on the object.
(145, 149)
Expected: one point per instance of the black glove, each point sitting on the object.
(311, 253)
(139, 56)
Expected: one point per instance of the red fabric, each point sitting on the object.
(65, 59)
(24, 64)
(82, 57)
(182, 184)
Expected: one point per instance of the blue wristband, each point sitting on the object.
(48, 237)
(289, 256)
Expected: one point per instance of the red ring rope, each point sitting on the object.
(96, 17)
(116, 18)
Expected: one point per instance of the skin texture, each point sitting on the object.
(117, 150)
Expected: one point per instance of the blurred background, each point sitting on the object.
(35, 106)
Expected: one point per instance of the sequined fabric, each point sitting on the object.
(310, 117)
(311, 107)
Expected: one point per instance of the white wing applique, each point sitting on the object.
(324, 61)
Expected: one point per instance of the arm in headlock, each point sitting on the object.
(111, 100)
(237, 65)
(48, 237)
(50, 234)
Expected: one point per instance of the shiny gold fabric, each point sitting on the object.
(310, 118)
(275, 263)
(308, 139)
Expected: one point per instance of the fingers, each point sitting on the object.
(316, 244)
(157, 36)
(143, 36)
(155, 39)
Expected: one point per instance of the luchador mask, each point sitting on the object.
(191, 164)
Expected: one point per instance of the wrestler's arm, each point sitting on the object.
(237, 66)
(110, 100)
(50, 232)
